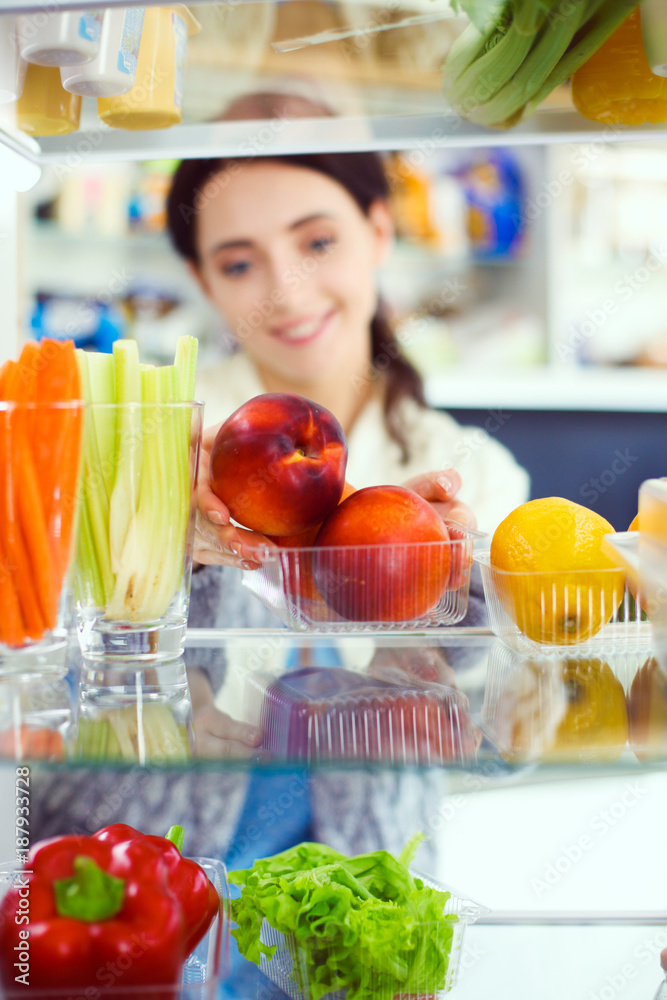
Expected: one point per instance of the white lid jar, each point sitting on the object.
(61, 39)
(113, 70)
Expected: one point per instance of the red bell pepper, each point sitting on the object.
(104, 911)
(186, 879)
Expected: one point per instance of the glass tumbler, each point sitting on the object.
(40, 452)
(133, 712)
(131, 579)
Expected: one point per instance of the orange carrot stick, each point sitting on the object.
(11, 536)
(12, 631)
(27, 546)
(57, 451)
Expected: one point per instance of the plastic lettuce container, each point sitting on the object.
(538, 612)
(203, 970)
(368, 587)
(288, 968)
(328, 713)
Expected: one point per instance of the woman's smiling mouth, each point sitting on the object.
(303, 330)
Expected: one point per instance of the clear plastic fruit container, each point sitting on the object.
(287, 968)
(203, 970)
(585, 708)
(329, 713)
(564, 608)
(368, 587)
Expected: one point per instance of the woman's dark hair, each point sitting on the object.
(363, 176)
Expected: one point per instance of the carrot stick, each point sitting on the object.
(3, 379)
(11, 536)
(12, 631)
(35, 535)
(27, 545)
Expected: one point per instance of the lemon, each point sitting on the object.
(582, 714)
(557, 584)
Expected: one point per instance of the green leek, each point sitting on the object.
(512, 56)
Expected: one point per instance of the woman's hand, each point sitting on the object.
(440, 489)
(216, 733)
(217, 541)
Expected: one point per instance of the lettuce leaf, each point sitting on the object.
(363, 924)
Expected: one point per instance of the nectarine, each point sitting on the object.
(389, 562)
(278, 464)
(298, 566)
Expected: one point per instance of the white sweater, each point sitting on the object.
(493, 483)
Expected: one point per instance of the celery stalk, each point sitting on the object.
(125, 496)
(95, 561)
(185, 363)
(103, 390)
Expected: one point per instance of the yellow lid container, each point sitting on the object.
(45, 107)
(156, 99)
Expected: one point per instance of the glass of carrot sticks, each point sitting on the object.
(41, 424)
(133, 562)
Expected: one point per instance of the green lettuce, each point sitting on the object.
(363, 924)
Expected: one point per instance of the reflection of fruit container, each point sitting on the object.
(134, 714)
(202, 972)
(288, 968)
(552, 610)
(368, 587)
(60, 39)
(112, 71)
(156, 99)
(571, 708)
(45, 107)
(36, 714)
(12, 66)
(321, 713)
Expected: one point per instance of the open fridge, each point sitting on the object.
(535, 770)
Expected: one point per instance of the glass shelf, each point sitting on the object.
(383, 88)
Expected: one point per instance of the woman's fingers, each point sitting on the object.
(218, 735)
(228, 545)
(440, 489)
(210, 506)
(443, 485)
(456, 511)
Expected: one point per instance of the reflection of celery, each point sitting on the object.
(136, 482)
(134, 733)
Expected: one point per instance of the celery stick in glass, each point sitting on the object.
(125, 496)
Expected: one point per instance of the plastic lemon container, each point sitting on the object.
(45, 107)
(156, 99)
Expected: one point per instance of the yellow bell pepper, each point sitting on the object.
(616, 85)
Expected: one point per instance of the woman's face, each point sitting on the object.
(289, 260)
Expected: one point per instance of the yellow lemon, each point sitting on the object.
(550, 572)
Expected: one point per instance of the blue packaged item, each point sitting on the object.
(494, 190)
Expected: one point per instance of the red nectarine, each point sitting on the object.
(298, 567)
(278, 464)
(390, 564)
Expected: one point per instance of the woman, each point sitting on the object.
(287, 250)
